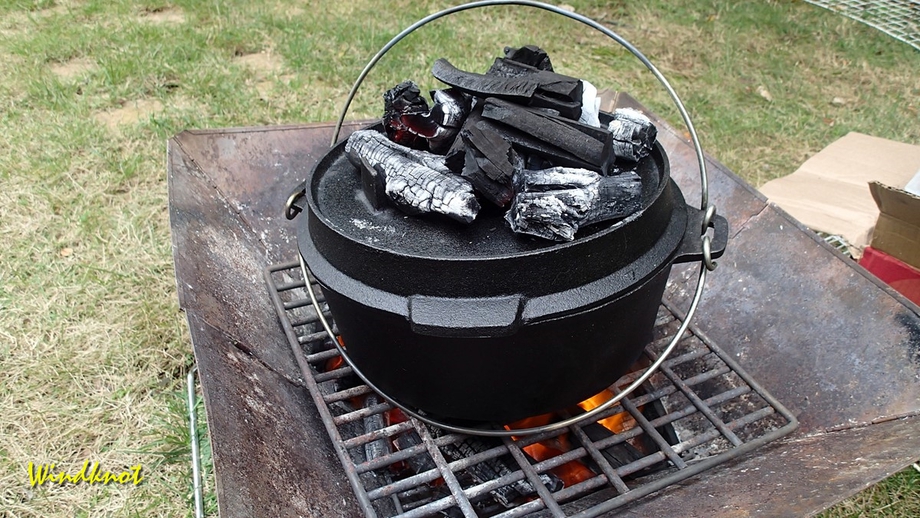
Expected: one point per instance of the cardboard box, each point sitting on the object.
(830, 191)
(897, 232)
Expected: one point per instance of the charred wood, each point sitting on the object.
(633, 134)
(376, 449)
(564, 108)
(530, 145)
(490, 164)
(520, 89)
(549, 83)
(558, 92)
(517, 88)
(374, 422)
(415, 182)
(530, 55)
(440, 125)
(617, 455)
(587, 143)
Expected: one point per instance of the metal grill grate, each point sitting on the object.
(899, 19)
(700, 409)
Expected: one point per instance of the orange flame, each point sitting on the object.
(571, 472)
(615, 423)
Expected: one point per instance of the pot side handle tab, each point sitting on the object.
(691, 248)
(465, 317)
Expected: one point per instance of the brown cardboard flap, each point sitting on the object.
(897, 232)
(897, 203)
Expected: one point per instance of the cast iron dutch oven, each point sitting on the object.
(473, 323)
(476, 323)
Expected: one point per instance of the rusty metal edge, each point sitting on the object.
(266, 129)
(337, 443)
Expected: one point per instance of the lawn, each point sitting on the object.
(94, 349)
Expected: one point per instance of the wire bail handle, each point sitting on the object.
(706, 264)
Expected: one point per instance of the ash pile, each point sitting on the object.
(520, 136)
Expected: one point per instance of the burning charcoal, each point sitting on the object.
(490, 164)
(417, 463)
(530, 55)
(548, 86)
(494, 468)
(410, 178)
(380, 447)
(554, 203)
(441, 124)
(403, 100)
(633, 134)
(593, 145)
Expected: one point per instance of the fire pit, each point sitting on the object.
(853, 391)
(840, 355)
(700, 410)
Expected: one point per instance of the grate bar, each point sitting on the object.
(351, 417)
(342, 395)
(653, 433)
(449, 477)
(322, 356)
(698, 403)
(410, 472)
(406, 483)
(333, 374)
(600, 460)
(386, 460)
(381, 433)
(545, 496)
(712, 434)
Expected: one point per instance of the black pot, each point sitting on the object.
(476, 323)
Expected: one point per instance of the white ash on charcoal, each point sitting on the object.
(554, 203)
(414, 183)
(520, 136)
(633, 134)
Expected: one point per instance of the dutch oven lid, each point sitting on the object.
(372, 255)
(336, 197)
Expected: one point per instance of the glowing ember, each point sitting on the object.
(571, 472)
(616, 423)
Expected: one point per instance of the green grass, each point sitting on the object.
(93, 347)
